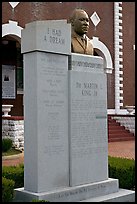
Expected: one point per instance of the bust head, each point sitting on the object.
(79, 21)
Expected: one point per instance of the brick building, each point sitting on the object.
(112, 31)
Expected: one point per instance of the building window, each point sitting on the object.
(19, 70)
(19, 78)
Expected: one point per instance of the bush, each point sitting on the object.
(16, 173)
(119, 168)
(7, 189)
(6, 144)
(124, 170)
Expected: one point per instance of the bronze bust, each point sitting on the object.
(80, 43)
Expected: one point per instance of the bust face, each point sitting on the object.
(80, 23)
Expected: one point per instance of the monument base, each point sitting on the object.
(102, 191)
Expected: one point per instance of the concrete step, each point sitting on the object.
(114, 124)
(121, 196)
(114, 127)
(121, 139)
(118, 131)
(121, 134)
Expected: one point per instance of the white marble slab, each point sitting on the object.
(50, 36)
(88, 125)
(46, 121)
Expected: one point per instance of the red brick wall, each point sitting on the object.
(26, 12)
(129, 53)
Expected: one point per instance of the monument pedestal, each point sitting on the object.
(104, 191)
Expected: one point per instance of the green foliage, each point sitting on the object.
(16, 173)
(6, 144)
(119, 168)
(124, 170)
(10, 152)
(7, 189)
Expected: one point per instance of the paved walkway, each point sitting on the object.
(122, 149)
(13, 160)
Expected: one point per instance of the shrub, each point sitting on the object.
(124, 170)
(7, 189)
(119, 168)
(6, 144)
(16, 173)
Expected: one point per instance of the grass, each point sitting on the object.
(12, 151)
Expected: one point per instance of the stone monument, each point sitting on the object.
(65, 132)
